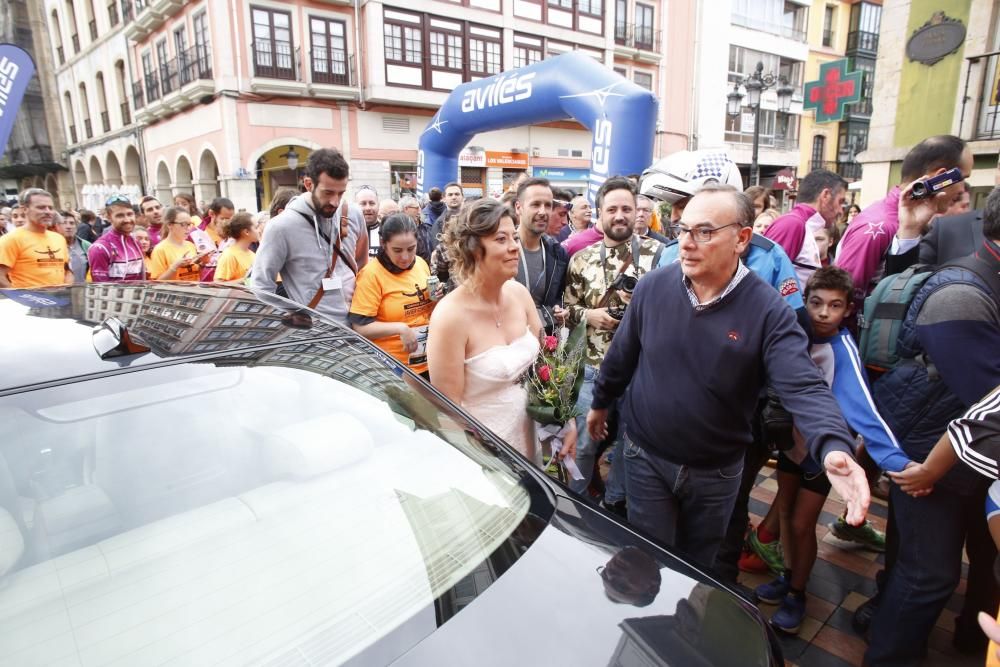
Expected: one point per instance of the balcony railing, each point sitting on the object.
(75, 39)
(781, 29)
(638, 36)
(986, 114)
(61, 55)
(331, 66)
(169, 79)
(828, 38)
(766, 141)
(127, 12)
(72, 134)
(849, 170)
(860, 40)
(194, 63)
(126, 115)
(276, 63)
(138, 96)
(88, 129)
(113, 14)
(93, 30)
(106, 121)
(152, 87)
(822, 164)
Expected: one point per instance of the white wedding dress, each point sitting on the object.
(494, 396)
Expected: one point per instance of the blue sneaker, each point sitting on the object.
(773, 592)
(789, 616)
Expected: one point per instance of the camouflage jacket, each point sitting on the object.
(588, 279)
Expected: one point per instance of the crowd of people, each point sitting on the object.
(720, 333)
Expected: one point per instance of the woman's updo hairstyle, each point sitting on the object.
(463, 238)
(396, 224)
(236, 225)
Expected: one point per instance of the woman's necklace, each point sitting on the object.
(497, 311)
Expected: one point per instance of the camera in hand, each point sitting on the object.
(626, 284)
(935, 184)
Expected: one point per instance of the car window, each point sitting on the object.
(240, 510)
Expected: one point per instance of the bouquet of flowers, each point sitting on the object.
(553, 385)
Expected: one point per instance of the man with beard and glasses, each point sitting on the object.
(313, 244)
(599, 286)
(543, 261)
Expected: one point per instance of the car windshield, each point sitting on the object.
(298, 503)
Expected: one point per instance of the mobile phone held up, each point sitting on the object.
(935, 184)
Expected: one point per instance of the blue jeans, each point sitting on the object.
(932, 531)
(683, 507)
(586, 447)
(616, 488)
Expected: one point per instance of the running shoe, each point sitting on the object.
(769, 552)
(751, 562)
(773, 592)
(866, 535)
(789, 616)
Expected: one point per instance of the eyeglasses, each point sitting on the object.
(561, 202)
(118, 199)
(413, 206)
(700, 234)
(189, 223)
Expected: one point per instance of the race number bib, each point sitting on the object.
(419, 355)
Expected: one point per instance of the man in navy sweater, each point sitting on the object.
(688, 413)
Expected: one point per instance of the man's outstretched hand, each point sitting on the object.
(849, 481)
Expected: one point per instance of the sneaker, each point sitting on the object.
(866, 535)
(769, 552)
(751, 562)
(789, 616)
(863, 615)
(618, 509)
(773, 592)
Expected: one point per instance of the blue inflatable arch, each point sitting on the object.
(620, 114)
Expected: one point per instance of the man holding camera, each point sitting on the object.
(599, 286)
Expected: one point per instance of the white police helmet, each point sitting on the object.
(682, 174)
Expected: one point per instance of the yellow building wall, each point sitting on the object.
(819, 54)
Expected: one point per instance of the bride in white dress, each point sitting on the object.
(484, 335)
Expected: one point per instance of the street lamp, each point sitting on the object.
(755, 85)
(292, 157)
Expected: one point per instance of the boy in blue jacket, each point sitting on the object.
(802, 484)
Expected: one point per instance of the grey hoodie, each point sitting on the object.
(294, 248)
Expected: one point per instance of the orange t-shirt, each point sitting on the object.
(396, 297)
(234, 263)
(166, 253)
(34, 259)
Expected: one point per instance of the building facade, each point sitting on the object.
(955, 92)
(229, 97)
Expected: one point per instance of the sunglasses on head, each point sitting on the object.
(118, 199)
(562, 203)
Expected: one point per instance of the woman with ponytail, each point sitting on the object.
(391, 305)
(236, 260)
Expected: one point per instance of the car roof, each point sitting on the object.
(48, 333)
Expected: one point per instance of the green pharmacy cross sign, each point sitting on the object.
(835, 89)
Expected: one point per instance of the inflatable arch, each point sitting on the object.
(621, 115)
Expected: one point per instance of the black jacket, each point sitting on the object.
(949, 238)
(555, 281)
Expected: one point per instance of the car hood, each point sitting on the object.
(553, 606)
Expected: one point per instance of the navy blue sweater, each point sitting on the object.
(692, 400)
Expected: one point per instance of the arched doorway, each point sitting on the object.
(280, 167)
(114, 170)
(207, 185)
(183, 182)
(96, 173)
(99, 189)
(133, 173)
(79, 181)
(163, 184)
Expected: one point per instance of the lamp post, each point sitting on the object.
(755, 85)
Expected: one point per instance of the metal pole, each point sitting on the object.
(754, 167)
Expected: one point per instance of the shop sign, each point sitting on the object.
(470, 159)
(507, 160)
(785, 180)
(933, 41)
(561, 173)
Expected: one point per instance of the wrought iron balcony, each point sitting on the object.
(169, 79)
(849, 170)
(113, 14)
(634, 36)
(138, 97)
(332, 66)
(152, 87)
(980, 73)
(273, 63)
(194, 63)
(859, 40)
(127, 12)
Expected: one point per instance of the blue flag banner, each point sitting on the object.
(620, 114)
(16, 70)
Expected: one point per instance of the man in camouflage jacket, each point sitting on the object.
(591, 274)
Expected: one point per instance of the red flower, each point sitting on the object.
(544, 373)
(551, 343)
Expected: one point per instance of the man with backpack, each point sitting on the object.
(876, 234)
(947, 349)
